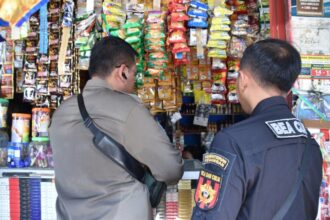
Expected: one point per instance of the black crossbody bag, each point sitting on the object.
(280, 214)
(118, 154)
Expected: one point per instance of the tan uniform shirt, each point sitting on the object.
(89, 184)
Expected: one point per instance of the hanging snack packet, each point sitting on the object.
(165, 92)
(177, 25)
(217, 44)
(175, 7)
(197, 23)
(180, 47)
(232, 92)
(155, 17)
(156, 34)
(236, 47)
(158, 56)
(118, 33)
(177, 36)
(220, 21)
(198, 5)
(219, 35)
(218, 99)
(220, 27)
(179, 16)
(193, 37)
(132, 39)
(221, 11)
(217, 53)
(197, 13)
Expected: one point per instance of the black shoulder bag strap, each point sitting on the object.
(110, 147)
(304, 165)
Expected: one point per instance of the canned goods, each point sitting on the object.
(20, 128)
(3, 112)
(40, 122)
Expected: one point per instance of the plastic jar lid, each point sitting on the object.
(20, 115)
(4, 101)
(40, 139)
(41, 109)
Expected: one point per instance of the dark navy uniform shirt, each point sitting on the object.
(252, 167)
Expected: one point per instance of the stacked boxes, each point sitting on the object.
(4, 201)
(48, 199)
(35, 200)
(14, 198)
(185, 199)
(172, 199)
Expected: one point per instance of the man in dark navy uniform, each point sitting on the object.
(253, 165)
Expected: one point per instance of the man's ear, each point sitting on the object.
(244, 79)
(120, 74)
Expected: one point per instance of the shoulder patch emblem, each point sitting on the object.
(287, 128)
(208, 190)
(216, 159)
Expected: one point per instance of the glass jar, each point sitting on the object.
(41, 154)
(17, 156)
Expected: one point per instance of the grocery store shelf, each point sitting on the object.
(191, 167)
(27, 172)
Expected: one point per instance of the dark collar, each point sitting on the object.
(264, 105)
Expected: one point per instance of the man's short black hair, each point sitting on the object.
(272, 62)
(108, 53)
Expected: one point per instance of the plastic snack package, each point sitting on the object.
(197, 23)
(165, 92)
(217, 44)
(220, 27)
(180, 47)
(179, 16)
(197, 13)
(219, 35)
(232, 92)
(221, 11)
(193, 37)
(177, 36)
(177, 25)
(198, 5)
(237, 47)
(217, 53)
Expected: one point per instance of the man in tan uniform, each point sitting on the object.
(89, 184)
